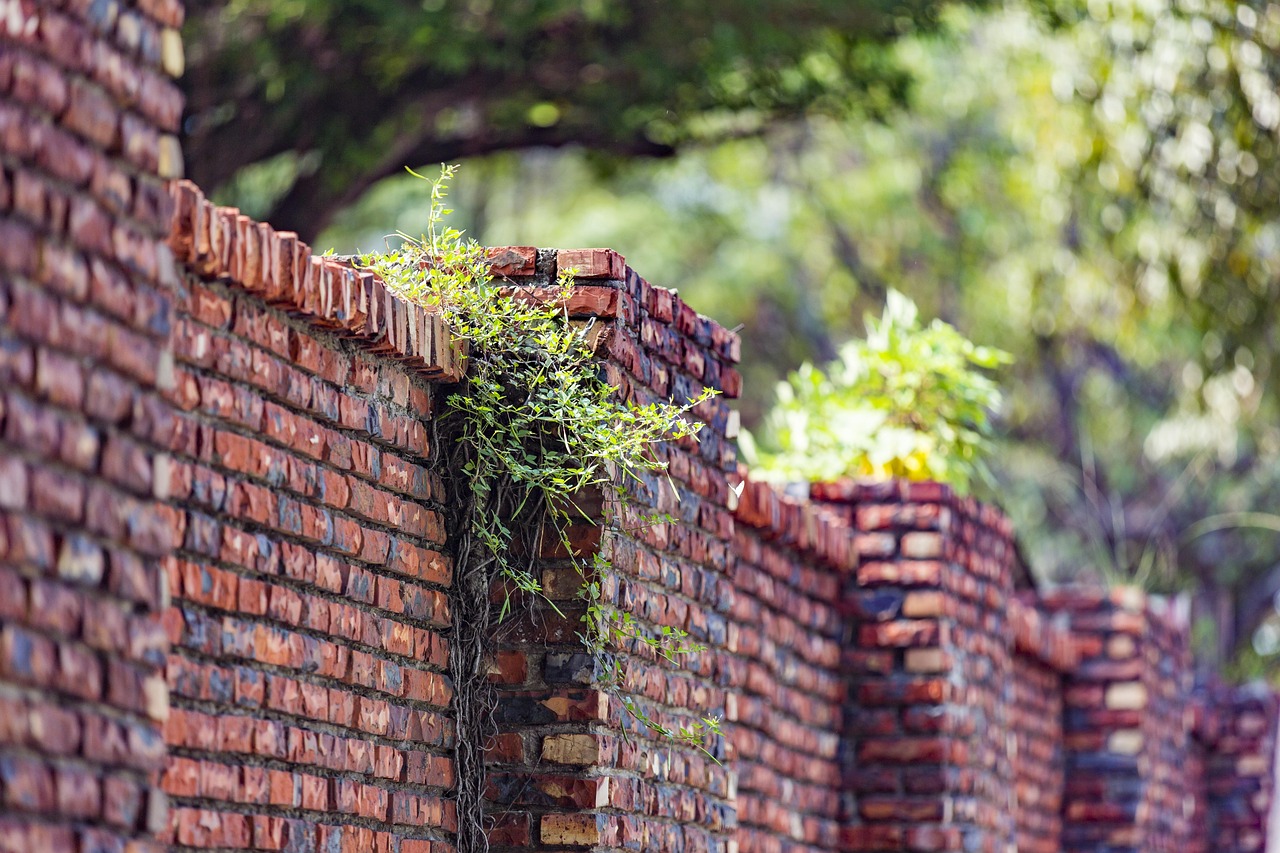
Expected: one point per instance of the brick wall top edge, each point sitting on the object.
(104, 17)
(883, 491)
(220, 243)
(1036, 634)
(851, 491)
(661, 304)
(607, 288)
(170, 13)
(1169, 613)
(797, 524)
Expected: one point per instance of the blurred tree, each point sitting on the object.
(308, 102)
(1092, 186)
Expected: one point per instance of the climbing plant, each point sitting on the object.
(909, 401)
(532, 426)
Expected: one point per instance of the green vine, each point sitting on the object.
(532, 427)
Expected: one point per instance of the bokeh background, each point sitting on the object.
(1089, 185)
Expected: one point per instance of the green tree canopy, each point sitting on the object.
(319, 99)
(1091, 186)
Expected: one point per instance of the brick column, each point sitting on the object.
(1239, 767)
(1105, 699)
(1128, 724)
(788, 631)
(1043, 651)
(930, 670)
(87, 122)
(571, 768)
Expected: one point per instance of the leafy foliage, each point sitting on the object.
(908, 401)
(535, 426)
(535, 411)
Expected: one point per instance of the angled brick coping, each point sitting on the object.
(220, 243)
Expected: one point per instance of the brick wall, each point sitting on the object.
(1166, 812)
(1037, 762)
(310, 593)
(87, 117)
(1152, 764)
(790, 568)
(932, 677)
(226, 596)
(1043, 652)
(1123, 727)
(1238, 763)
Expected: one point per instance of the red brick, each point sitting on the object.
(28, 785)
(55, 608)
(592, 263)
(901, 809)
(92, 114)
(54, 731)
(30, 192)
(121, 801)
(181, 777)
(14, 483)
(903, 633)
(509, 668)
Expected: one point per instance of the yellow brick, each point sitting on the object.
(1127, 696)
(1120, 647)
(155, 694)
(575, 830)
(923, 604)
(927, 660)
(1125, 742)
(172, 59)
(571, 749)
(171, 165)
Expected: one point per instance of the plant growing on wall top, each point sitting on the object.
(531, 427)
(910, 401)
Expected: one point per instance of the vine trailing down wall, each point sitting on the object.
(532, 428)
(232, 564)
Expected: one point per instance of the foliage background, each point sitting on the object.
(1089, 184)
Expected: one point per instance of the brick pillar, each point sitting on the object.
(87, 122)
(1240, 767)
(1105, 700)
(1167, 726)
(570, 767)
(1128, 724)
(788, 631)
(1043, 651)
(928, 765)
